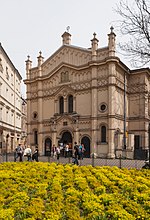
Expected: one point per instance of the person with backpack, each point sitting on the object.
(80, 152)
(18, 153)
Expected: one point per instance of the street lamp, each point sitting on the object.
(124, 135)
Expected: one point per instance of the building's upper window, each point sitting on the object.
(7, 74)
(12, 80)
(61, 105)
(1, 113)
(64, 77)
(0, 88)
(102, 107)
(103, 133)
(35, 115)
(36, 137)
(1, 66)
(70, 103)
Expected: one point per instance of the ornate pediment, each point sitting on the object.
(65, 118)
(67, 54)
(64, 91)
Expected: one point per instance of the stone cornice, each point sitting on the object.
(87, 65)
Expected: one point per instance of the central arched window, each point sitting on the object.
(36, 137)
(103, 133)
(61, 105)
(70, 104)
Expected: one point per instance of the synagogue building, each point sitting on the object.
(90, 96)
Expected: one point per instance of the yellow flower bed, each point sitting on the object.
(40, 191)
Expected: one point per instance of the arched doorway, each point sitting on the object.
(86, 141)
(48, 146)
(66, 139)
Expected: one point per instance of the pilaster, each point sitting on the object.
(111, 110)
(65, 104)
(40, 117)
(94, 108)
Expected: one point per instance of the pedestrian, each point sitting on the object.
(35, 155)
(58, 152)
(80, 152)
(18, 153)
(54, 150)
(66, 150)
(28, 153)
(83, 151)
(76, 154)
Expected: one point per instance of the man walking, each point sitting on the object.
(18, 153)
(76, 153)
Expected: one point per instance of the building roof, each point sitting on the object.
(4, 52)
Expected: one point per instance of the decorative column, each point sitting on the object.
(40, 61)
(56, 106)
(76, 136)
(111, 42)
(54, 133)
(94, 47)
(28, 68)
(74, 103)
(111, 110)
(111, 94)
(66, 38)
(40, 105)
(94, 94)
(65, 104)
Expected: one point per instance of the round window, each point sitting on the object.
(35, 115)
(102, 107)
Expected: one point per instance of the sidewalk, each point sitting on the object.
(86, 161)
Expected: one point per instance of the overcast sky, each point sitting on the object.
(30, 26)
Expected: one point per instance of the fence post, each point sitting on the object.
(120, 161)
(69, 159)
(49, 156)
(93, 159)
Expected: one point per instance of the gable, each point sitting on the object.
(70, 55)
(64, 91)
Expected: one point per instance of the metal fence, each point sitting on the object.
(121, 163)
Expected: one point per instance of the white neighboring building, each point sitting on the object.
(10, 103)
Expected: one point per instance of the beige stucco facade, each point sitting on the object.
(89, 96)
(10, 103)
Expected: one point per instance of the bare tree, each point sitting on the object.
(135, 23)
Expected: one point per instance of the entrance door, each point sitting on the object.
(86, 141)
(48, 146)
(66, 139)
